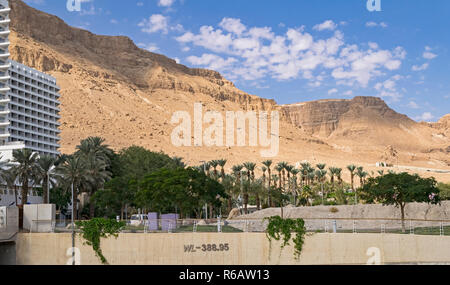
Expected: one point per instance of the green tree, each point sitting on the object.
(43, 176)
(97, 157)
(25, 167)
(400, 189)
(222, 163)
(187, 189)
(9, 177)
(268, 164)
(444, 191)
(352, 169)
(74, 171)
(178, 161)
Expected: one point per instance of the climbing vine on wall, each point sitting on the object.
(93, 230)
(282, 229)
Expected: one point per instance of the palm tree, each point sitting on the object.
(321, 166)
(294, 172)
(222, 163)
(332, 173)
(282, 165)
(264, 169)
(94, 146)
(10, 178)
(74, 171)
(321, 174)
(45, 164)
(256, 188)
(25, 167)
(98, 176)
(289, 169)
(237, 170)
(338, 173)
(96, 155)
(228, 183)
(214, 164)
(268, 164)
(250, 168)
(278, 168)
(179, 162)
(352, 169)
(305, 170)
(207, 168)
(360, 173)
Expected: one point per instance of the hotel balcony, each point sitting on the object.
(4, 33)
(4, 112)
(4, 55)
(5, 11)
(4, 44)
(4, 135)
(5, 66)
(5, 22)
(4, 101)
(4, 77)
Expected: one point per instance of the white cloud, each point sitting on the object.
(427, 117)
(155, 23)
(332, 91)
(150, 47)
(212, 61)
(413, 105)
(165, 3)
(158, 23)
(233, 26)
(348, 93)
(420, 67)
(388, 88)
(374, 24)
(327, 25)
(373, 45)
(259, 52)
(429, 55)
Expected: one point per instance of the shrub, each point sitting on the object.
(334, 210)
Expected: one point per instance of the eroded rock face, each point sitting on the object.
(323, 117)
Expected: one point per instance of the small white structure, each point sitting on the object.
(39, 218)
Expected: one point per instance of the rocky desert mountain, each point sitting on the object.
(112, 88)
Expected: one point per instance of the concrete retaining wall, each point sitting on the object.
(244, 249)
(7, 253)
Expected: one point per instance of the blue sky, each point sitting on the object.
(294, 50)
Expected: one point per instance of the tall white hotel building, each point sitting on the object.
(29, 102)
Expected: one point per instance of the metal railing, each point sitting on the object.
(312, 225)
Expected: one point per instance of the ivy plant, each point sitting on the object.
(93, 230)
(282, 229)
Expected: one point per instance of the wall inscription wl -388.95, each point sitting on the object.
(206, 248)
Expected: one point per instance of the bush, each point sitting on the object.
(93, 230)
(334, 210)
(444, 191)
